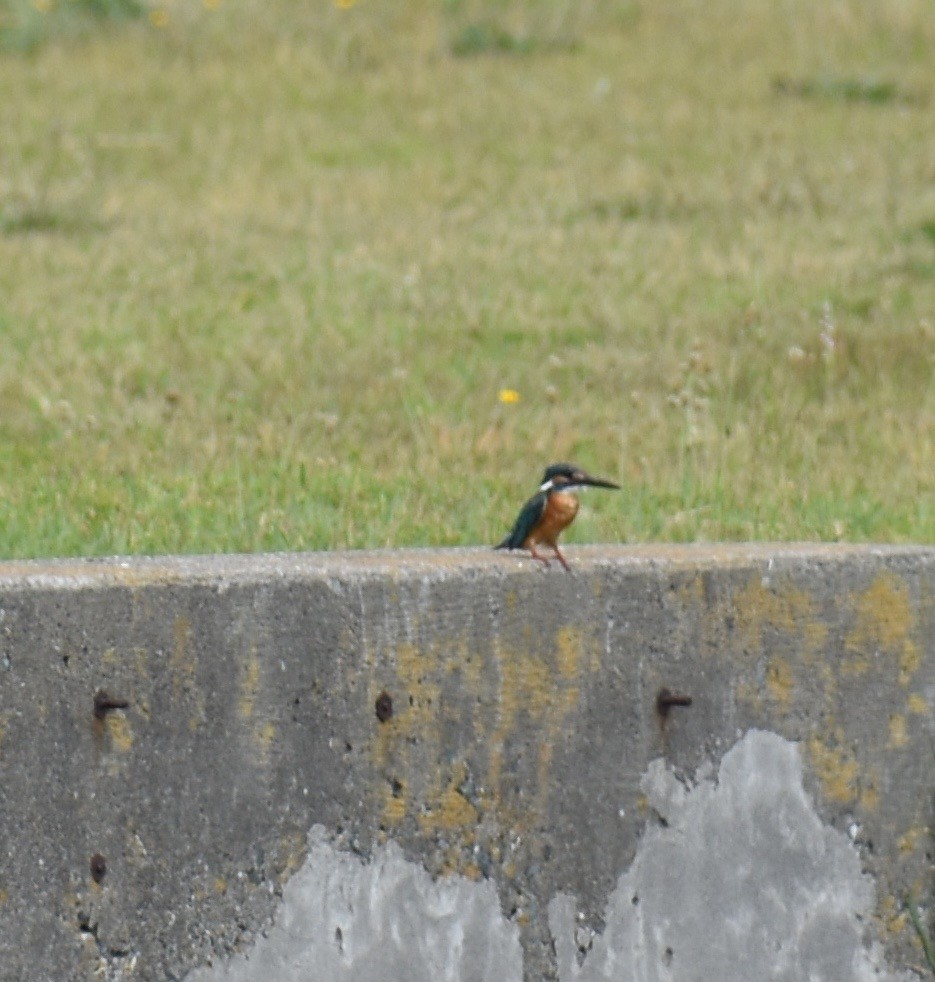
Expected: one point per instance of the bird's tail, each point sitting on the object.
(507, 543)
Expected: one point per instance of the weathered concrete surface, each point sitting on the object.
(523, 758)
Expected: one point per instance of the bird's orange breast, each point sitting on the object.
(559, 513)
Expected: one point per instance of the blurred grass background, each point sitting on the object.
(350, 274)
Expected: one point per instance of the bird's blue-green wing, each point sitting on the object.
(528, 518)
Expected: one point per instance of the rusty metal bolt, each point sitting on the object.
(104, 703)
(666, 699)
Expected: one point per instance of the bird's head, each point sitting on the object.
(568, 477)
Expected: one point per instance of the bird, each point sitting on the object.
(551, 510)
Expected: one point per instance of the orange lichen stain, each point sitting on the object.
(883, 617)
(534, 688)
(779, 681)
(529, 691)
(836, 769)
(910, 661)
(757, 605)
(183, 670)
(870, 797)
(909, 841)
(524, 687)
(220, 885)
(120, 732)
(917, 704)
(4, 897)
(265, 735)
(395, 807)
(415, 708)
(898, 923)
(415, 723)
(884, 621)
(855, 666)
(568, 652)
(892, 917)
(472, 871)
(783, 608)
(451, 811)
(293, 850)
(899, 735)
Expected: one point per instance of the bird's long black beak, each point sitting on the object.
(596, 482)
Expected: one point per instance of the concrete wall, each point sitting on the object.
(452, 765)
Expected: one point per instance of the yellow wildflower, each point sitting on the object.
(509, 396)
(159, 17)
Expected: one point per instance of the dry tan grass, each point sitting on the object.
(264, 270)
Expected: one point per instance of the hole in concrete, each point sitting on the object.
(98, 866)
(384, 707)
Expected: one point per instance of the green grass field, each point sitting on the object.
(269, 272)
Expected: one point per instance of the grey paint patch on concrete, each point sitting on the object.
(345, 920)
(738, 879)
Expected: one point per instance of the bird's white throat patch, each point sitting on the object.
(550, 485)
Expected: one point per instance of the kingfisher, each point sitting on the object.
(551, 510)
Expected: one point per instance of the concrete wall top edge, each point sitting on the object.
(64, 574)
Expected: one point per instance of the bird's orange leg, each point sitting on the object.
(535, 555)
(561, 558)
